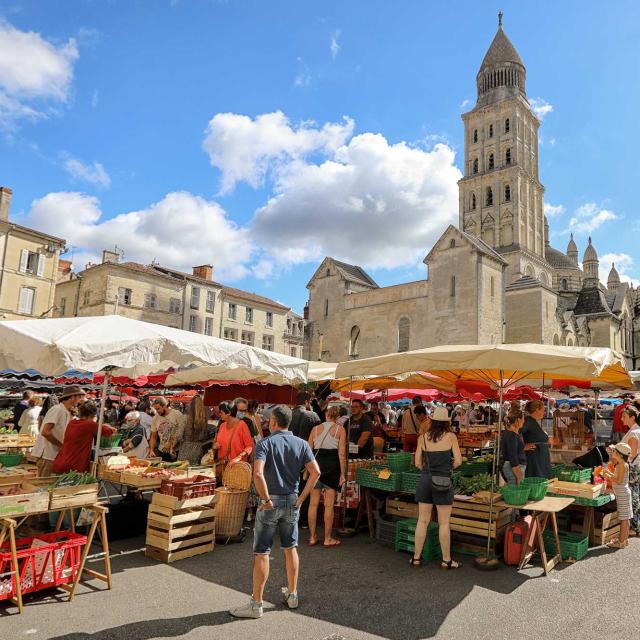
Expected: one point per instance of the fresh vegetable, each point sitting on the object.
(8, 432)
(74, 479)
(467, 486)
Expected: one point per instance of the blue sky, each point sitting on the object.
(261, 136)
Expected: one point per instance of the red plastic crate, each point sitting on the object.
(53, 563)
(185, 488)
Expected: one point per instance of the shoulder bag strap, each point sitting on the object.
(324, 436)
(413, 420)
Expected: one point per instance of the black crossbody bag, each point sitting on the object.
(438, 483)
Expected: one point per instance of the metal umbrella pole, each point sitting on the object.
(490, 561)
(103, 401)
(343, 530)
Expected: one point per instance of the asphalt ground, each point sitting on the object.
(360, 590)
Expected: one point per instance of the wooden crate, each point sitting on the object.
(178, 529)
(110, 475)
(18, 474)
(606, 528)
(576, 489)
(401, 508)
(472, 517)
(24, 503)
(65, 497)
(474, 545)
(136, 480)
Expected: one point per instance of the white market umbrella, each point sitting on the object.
(134, 348)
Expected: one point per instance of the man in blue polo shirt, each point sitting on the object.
(279, 460)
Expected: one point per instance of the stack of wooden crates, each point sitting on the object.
(178, 529)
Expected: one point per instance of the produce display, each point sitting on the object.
(468, 486)
(74, 479)
(8, 432)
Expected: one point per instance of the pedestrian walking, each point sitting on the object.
(279, 460)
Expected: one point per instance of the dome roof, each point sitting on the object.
(572, 247)
(500, 52)
(590, 252)
(614, 276)
(559, 260)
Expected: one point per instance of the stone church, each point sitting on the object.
(493, 278)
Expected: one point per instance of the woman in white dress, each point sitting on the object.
(28, 423)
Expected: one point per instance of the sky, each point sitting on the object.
(261, 136)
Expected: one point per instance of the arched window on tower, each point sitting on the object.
(475, 135)
(507, 156)
(507, 126)
(491, 131)
(489, 198)
(491, 161)
(404, 331)
(475, 165)
(354, 340)
(507, 193)
(452, 243)
(564, 285)
(473, 202)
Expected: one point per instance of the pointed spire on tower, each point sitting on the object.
(500, 15)
(591, 265)
(613, 281)
(572, 250)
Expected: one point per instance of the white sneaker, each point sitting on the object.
(251, 610)
(290, 599)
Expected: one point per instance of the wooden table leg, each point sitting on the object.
(105, 547)
(528, 548)
(588, 522)
(16, 566)
(542, 525)
(85, 553)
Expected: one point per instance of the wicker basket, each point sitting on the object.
(230, 511)
(237, 476)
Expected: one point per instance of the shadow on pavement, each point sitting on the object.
(360, 585)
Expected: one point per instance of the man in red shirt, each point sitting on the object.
(618, 426)
(75, 454)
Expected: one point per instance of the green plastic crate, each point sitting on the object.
(572, 545)
(409, 482)
(399, 462)
(109, 442)
(569, 474)
(472, 468)
(368, 477)
(405, 539)
(585, 502)
(11, 459)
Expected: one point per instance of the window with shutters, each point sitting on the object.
(195, 297)
(208, 326)
(248, 315)
(150, 300)
(26, 300)
(233, 311)
(247, 338)
(230, 334)
(124, 295)
(193, 323)
(31, 263)
(267, 343)
(86, 296)
(293, 352)
(211, 299)
(404, 329)
(63, 306)
(269, 318)
(175, 305)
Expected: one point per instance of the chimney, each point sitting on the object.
(204, 271)
(5, 201)
(110, 256)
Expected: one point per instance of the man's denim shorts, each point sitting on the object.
(283, 518)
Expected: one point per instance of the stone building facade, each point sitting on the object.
(28, 267)
(495, 278)
(194, 302)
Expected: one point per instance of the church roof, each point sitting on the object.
(591, 300)
(614, 276)
(500, 51)
(353, 273)
(572, 247)
(483, 247)
(590, 252)
(559, 260)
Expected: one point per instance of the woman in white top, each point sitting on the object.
(632, 438)
(329, 443)
(29, 424)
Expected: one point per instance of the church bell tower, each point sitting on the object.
(501, 197)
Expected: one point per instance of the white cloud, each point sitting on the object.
(623, 263)
(465, 103)
(246, 149)
(540, 107)
(179, 231)
(95, 97)
(371, 202)
(334, 46)
(590, 217)
(34, 73)
(552, 211)
(95, 174)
